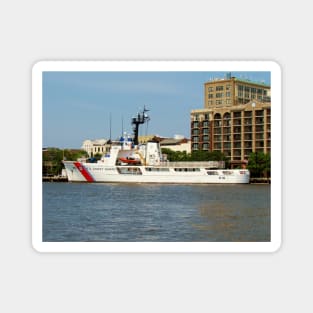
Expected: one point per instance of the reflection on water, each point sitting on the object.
(148, 212)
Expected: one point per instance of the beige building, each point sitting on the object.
(145, 139)
(176, 144)
(236, 119)
(93, 147)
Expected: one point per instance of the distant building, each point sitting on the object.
(176, 144)
(236, 119)
(145, 139)
(93, 147)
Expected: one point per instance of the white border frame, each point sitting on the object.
(172, 247)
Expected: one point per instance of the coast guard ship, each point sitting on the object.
(131, 162)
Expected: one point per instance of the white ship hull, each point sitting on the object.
(97, 172)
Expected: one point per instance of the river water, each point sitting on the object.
(83, 212)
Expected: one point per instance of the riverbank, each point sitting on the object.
(54, 179)
(260, 180)
(61, 179)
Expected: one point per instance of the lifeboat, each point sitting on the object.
(130, 160)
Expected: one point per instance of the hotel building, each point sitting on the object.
(236, 119)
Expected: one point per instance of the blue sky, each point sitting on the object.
(78, 105)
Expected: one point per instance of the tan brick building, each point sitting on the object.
(236, 119)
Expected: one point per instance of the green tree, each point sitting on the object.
(175, 156)
(199, 155)
(259, 164)
(52, 159)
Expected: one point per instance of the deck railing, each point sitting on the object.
(194, 164)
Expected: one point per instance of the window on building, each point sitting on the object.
(195, 146)
(219, 88)
(237, 114)
(217, 116)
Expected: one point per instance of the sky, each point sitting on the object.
(80, 105)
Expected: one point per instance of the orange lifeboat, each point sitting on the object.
(129, 160)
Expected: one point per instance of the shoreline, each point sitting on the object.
(60, 179)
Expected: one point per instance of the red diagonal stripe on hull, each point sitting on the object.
(84, 171)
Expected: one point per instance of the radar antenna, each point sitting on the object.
(141, 118)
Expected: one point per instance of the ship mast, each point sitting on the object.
(141, 118)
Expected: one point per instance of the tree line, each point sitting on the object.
(52, 159)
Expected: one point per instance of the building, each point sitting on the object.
(146, 138)
(236, 119)
(176, 144)
(93, 147)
